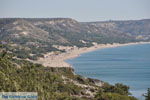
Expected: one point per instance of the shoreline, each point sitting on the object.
(59, 60)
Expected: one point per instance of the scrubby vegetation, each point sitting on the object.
(54, 83)
(147, 95)
(113, 96)
(31, 37)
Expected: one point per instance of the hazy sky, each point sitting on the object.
(81, 10)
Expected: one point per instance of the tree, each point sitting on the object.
(147, 95)
(3, 54)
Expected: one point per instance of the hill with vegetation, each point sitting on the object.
(24, 39)
(32, 37)
(55, 83)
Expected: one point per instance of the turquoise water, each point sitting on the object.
(129, 65)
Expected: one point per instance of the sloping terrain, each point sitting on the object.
(55, 83)
(32, 37)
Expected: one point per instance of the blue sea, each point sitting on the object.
(129, 65)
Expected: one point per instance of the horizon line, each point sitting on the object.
(72, 19)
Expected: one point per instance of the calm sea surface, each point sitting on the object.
(129, 65)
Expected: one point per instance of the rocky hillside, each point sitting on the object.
(32, 37)
(55, 83)
(137, 29)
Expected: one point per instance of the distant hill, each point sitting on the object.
(31, 37)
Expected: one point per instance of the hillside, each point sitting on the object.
(55, 83)
(23, 39)
(32, 37)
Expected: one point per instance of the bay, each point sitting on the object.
(129, 65)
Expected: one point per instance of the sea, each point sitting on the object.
(129, 65)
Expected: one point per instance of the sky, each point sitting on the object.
(81, 10)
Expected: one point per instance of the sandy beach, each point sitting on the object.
(58, 60)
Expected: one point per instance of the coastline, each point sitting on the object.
(59, 60)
